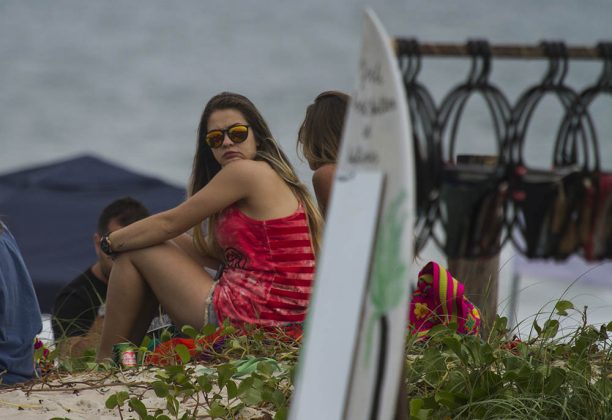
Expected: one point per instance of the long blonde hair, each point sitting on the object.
(205, 167)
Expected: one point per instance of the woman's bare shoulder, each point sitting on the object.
(322, 181)
(250, 174)
(324, 174)
(247, 168)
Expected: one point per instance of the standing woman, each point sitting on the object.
(262, 224)
(320, 136)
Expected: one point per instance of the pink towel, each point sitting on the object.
(439, 299)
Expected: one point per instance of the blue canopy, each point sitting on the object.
(52, 210)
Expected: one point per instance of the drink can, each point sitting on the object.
(124, 355)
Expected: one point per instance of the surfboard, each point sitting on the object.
(352, 356)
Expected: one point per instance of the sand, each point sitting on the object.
(83, 396)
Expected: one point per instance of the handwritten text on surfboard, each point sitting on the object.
(370, 106)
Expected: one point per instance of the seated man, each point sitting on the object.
(78, 312)
(20, 319)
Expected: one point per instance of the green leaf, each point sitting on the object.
(160, 388)
(183, 353)
(415, 406)
(162, 417)
(434, 366)
(500, 324)
(232, 389)
(235, 344)
(162, 375)
(555, 379)
(245, 384)
(251, 395)
(609, 327)
(266, 368)
(208, 330)
(137, 405)
(228, 329)
(67, 365)
(189, 331)
(562, 306)
(281, 413)
(486, 352)
(91, 365)
(174, 370)
(122, 397)
(440, 330)
(217, 410)
(204, 382)
(453, 344)
(489, 383)
(551, 327)
(111, 402)
(536, 381)
(537, 327)
(447, 399)
(224, 373)
(172, 405)
(523, 349)
(510, 376)
(165, 336)
(278, 398)
(267, 395)
(512, 362)
(180, 378)
(145, 343)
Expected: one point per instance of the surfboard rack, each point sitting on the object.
(529, 214)
(511, 51)
(469, 206)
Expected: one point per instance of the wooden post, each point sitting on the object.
(481, 280)
(480, 276)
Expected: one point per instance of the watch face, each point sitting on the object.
(105, 245)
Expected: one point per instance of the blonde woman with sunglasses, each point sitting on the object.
(319, 138)
(263, 229)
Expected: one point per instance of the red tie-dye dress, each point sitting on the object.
(269, 269)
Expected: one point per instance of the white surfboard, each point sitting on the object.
(352, 356)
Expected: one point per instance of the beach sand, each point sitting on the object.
(83, 396)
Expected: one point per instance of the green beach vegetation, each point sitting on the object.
(558, 371)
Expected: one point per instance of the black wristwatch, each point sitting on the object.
(105, 245)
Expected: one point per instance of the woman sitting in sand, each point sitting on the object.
(263, 227)
(319, 137)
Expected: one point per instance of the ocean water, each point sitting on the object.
(128, 80)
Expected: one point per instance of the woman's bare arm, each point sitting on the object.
(236, 181)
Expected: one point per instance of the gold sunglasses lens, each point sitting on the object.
(214, 138)
(238, 133)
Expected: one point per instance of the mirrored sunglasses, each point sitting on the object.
(237, 133)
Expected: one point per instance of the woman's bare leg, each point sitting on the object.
(141, 278)
(185, 242)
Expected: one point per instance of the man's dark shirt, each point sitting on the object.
(77, 304)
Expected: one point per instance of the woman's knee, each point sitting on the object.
(143, 254)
